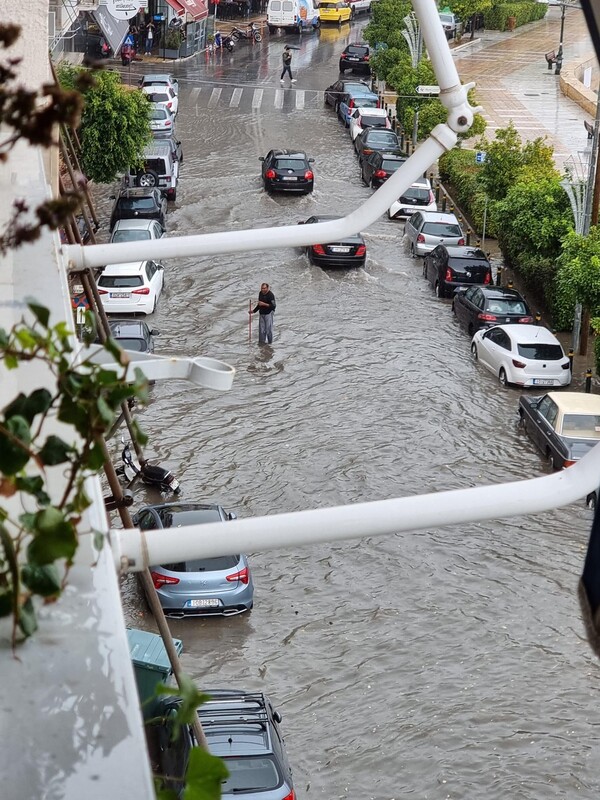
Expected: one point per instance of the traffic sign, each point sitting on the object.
(429, 90)
(480, 156)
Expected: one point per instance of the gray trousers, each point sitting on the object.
(265, 328)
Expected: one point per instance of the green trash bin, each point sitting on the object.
(151, 665)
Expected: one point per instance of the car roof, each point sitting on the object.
(127, 327)
(437, 216)
(131, 267)
(377, 112)
(157, 147)
(289, 153)
(157, 78)
(500, 292)
(576, 402)
(464, 251)
(158, 88)
(139, 192)
(136, 224)
(529, 334)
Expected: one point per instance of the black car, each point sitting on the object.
(287, 171)
(240, 727)
(140, 204)
(355, 57)
(351, 252)
(484, 306)
(448, 268)
(376, 139)
(334, 92)
(133, 334)
(377, 167)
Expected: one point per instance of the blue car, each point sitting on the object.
(199, 587)
(355, 98)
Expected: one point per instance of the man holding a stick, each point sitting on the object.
(265, 307)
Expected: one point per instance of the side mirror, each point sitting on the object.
(277, 716)
(261, 158)
(159, 266)
(231, 515)
(154, 332)
(302, 221)
(112, 197)
(311, 161)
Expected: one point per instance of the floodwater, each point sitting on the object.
(449, 663)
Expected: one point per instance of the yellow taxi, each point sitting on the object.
(335, 11)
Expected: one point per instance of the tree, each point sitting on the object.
(115, 124)
(387, 22)
(578, 277)
(468, 10)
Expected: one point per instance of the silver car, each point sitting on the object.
(426, 229)
(161, 120)
(136, 230)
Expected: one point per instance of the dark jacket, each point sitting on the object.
(287, 58)
(269, 298)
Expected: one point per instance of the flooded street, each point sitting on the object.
(450, 663)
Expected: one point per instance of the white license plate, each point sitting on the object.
(120, 294)
(173, 484)
(210, 602)
(352, 58)
(289, 178)
(340, 249)
(543, 382)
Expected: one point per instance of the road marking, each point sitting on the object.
(300, 99)
(235, 98)
(278, 103)
(257, 98)
(214, 98)
(194, 96)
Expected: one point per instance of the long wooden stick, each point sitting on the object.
(250, 320)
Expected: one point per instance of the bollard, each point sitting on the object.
(468, 238)
(588, 381)
(478, 243)
(437, 193)
(499, 276)
(538, 317)
(444, 204)
(509, 285)
(571, 355)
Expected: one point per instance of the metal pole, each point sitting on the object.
(559, 55)
(484, 221)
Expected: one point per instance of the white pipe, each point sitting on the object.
(135, 550)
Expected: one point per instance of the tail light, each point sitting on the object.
(318, 249)
(431, 197)
(526, 320)
(290, 796)
(567, 365)
(102, 291)
(518, 364)
(243, 576)
(487, 317)
(169, 104)
(449, 274)
(488, 278)
(309, 175)
(351, 104)
(365, 58)
(568, 463)
(380, 173)
(367, 151)
(167, 123)
(420, 238)
(461, 241)
(163, 580)
(145, 290)
(361, 250)
(270, 173)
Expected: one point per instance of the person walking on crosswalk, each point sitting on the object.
(287, 64)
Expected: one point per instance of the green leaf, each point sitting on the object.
(95, 458)
(55, 451)
(54, 537)
(106, 412)
(137, 433)
(26, 338)
(11, 361)
(13, 457)
(27, 619)
(33, 485)
(27, 521)
(12, 566)
(44, 581)
(38, 402)
(41, 313)
(3, 338)
(6, 603)
(204, 776)
(115, 351)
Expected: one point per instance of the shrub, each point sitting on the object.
(523, 12)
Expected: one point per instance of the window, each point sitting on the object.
(373, 122)
(157, 165)
(391, 165)
(548, 410)
(150, 269)
(464, 264)
(136, 203)
(250, 774)
(581, 426)
(158, 97)
(289, 163)
(541, 352)
(216, 564)
(501, 305)
(414, 193)
(120, 281)
(130, 236)
(287, 6)
(276, 5)
(137, 345)
(354, 50)
(441, 229)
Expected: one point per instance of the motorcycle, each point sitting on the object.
(127, 54)
(251, 32)
(162, 479)
(224, 41)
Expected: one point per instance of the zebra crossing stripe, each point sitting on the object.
(300, 99)
(257, 98)
(195, 93)
(278, 103)
(214, 98)
(235, 98)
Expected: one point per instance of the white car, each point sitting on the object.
(132, 288)
(362, 118)
(158, 93)
(161, 120)
(136, 230)
(526, 355)
(160, 79)
(418, 197)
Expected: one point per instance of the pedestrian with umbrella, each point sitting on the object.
(287, 64)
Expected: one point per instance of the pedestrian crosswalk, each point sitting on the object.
(251, 98)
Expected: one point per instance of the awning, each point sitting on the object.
(177, 7)
(197, 9)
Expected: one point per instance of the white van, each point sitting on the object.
(292, 15)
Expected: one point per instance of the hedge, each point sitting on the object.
(496, 17)
(458, 171)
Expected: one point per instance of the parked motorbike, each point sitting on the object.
(226, 41)
(251, 32)
(162, 479)
(127, 54)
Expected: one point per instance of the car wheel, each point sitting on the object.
(257, 37)
(373, 184)
(474, 351)
(147, 179)
(553, 461)
(439, 291)
(412, 251)
(172, 195)
(453, 308)
(590, 500)
(272, 28)
(342, 69)
(502, 377)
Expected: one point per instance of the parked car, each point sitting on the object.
(447, 268)
(377, 139)
(563, 425)
(333, 93)
(424, 230)
(348, 253)
(367, 117)
(220, 585)
(139, 204)
(136, 230)
(355, 98)
(161, 121)
(355, 57)
(451, 24)
(161, 93)
(240, 727)
(132, 288)
(418, 197)
(377, 167)
(292, 15)
(133, 334)
(287, 171)
(335, 11)
(175, 146)
(485, 306)
(360, 5)
(160, 79)
(160, 169)
(524, 355)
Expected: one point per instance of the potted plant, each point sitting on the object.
(170, 44)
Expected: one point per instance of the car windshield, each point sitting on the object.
(290, 163)
(391, 165)
(352, 50)
(215, 564)
(581, 426)
(541, 352)
(372, 122)
(130, 236)
(416, 193)
(441, 229)
(467, 263)
(250, 774)
(136, 203)
(120, 281)
(137, 345)
(446, 18)
(158, 97)
(500, 305)
(159, 113)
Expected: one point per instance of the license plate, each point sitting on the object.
(352, 58)
(173, 484)
(409, 211)
(120, 294)
(542, 382)
(340, 249)
(211, 602)
(289, 178)
(507, 320)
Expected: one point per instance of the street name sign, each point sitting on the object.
(430, 90)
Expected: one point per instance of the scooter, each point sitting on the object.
(160, 478)
(251, 32)
(224, 41)
(127, 54)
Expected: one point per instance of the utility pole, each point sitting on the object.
(590, 218)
